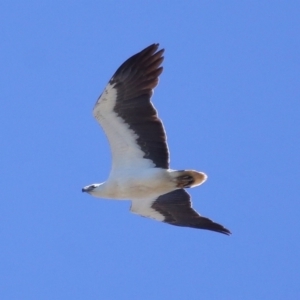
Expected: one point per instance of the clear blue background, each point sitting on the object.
(229, 98)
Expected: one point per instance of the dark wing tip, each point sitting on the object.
(210, 225)
(200, 222)
(143, 66)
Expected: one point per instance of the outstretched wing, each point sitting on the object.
(125, 112)
(175, 208)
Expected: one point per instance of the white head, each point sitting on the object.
(93, 189)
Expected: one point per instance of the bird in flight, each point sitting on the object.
(140, 169)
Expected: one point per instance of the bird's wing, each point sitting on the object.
(175, 208)
(125, 112)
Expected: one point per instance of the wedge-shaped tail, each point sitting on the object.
(188, 178)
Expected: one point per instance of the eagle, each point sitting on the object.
(140, 169)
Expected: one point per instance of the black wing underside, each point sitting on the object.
(177, 209)
(134, 81)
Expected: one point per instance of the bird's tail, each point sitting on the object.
(188, 178)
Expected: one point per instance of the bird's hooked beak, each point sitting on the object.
(88, 188)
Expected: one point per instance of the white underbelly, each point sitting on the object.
(149, 183)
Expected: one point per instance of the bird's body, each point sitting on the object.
(140, 158)
(136, 184)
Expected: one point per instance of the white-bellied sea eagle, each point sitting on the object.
(140, 169)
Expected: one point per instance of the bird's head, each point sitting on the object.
(92, 188)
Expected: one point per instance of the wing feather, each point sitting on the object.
(130, 121)
(176, 209)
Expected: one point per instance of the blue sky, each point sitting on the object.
(229, 98)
